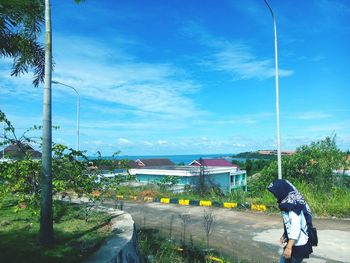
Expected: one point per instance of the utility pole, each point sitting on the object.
(279, 158)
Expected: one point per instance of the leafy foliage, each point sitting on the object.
(20, 26)
(312, 170)
(71, 171)
(167, 182)
(252, 166)
(314, 164)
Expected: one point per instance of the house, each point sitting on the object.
(19, 151)
(226, 178)
(213, 163)
(217, 172)
(116, 165)
(110, 168)
(154, 162)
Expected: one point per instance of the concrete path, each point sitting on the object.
(243, 236)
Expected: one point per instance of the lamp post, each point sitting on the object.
(78, 107)
(279, 159)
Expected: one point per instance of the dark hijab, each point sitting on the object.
(289, 198)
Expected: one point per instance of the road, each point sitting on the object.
(244, 236)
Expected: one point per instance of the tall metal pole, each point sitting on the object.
(279, 159)
(78, 109)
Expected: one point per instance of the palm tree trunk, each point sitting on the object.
(46, 236)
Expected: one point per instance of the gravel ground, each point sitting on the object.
(245, 236)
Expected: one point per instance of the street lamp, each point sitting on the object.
(78, 107)
(279, 159)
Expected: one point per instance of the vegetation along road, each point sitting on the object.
(243, 235)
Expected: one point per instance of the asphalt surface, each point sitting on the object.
(242, 236)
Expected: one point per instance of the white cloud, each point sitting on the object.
(110, 74)
(233, 57)
(95, 142)
(110, 77)
(147, 143)
(124, 142)
(242, 119)
(311, 115)
(243, 64)
(330, 127)
(162, 142)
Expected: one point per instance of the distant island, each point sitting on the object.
(261, 154)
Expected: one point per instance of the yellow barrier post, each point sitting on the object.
(184, 202)
(230, 205)
(256, 207)
(131, 197)
(204, 203)
(148, 199)
(165, 200)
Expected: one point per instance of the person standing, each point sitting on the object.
(296, 215)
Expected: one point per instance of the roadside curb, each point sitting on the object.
(121, 246)
(189, 202)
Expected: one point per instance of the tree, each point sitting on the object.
(19, 29)
(248, 164)
(167, 182)
(20, 25)
(202, 174)
(46, 235)
(314, 163)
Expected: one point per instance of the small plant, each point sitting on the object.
(208, 223)
(185, 219)
(171, 226)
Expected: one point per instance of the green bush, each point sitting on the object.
(311, 170)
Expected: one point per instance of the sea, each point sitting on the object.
(177, 159)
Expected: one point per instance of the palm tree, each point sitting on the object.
(20, 22)
(46, 235)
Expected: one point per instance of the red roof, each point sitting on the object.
(212, 162)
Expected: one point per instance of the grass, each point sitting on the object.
(75, 239)
(155, 248)
(330, 202)
(323, 202)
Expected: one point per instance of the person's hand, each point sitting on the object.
(287, 252)
(283, 239)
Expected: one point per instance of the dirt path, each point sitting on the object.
(243, 235)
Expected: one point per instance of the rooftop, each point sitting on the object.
(186, 170)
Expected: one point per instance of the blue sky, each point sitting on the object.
(183, 77)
